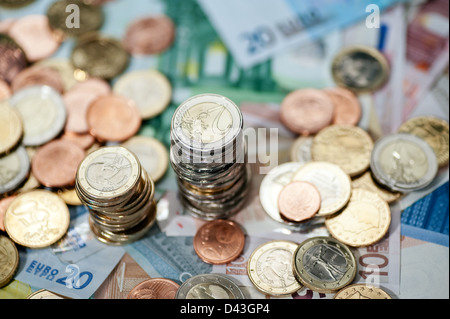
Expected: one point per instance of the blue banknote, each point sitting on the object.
(428, 218)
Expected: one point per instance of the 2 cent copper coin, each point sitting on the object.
(56, 163)
(299, 201)
(155, 288)
(347, 107)
(113, 118)
(307, 111)
(219, 242)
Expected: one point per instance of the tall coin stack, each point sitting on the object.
(208, 156)
(118, 193)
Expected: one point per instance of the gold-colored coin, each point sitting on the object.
(349, 147)
(100, 56)
(270, 268)
(91, 17)
(361, 291)
(152, 154)
(367, 182)
(363, 222)
(11, 128)
(360, 69)
(45, 294)
(37, 219)
(65, 69)
(434, 131)
(70, 197)
(9, 260)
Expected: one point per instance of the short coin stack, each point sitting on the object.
(118, 193)
(208, 156)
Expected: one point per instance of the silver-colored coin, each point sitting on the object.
(207, 122)
(301, 149)
(324, 264)
(270, 268)
(403, 162)
(209, 286)
(43, 113)
(14, 170)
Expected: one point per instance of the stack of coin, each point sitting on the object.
(208, 156)
(118, 193)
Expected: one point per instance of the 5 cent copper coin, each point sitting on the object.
(56, 163)
(307, 111)
(219, 242)
(113, 118)
(299, 201)
(155, 288)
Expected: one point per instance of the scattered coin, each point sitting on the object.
(69, 196)
(64, 68)
(43, 114)
(301, 149)
(361, 291)
(5, 90)
(113, 118)
(333, 184)
(38, 75)
(152, 154)
(100, 56)
(324, 264)
(37, 219)
(155, 288)
(349, 147)
(11, 128)
(14, 170)
(307, 111)
(55, 164)
(434, 131)
(150, 90)
(12, 59)
(347, 108)
(209, 286)
(14, 4)
(91, 17)
(270, 268)
(4, 204)
(363, 222)
(360, 69)
(367, 182)
(299, 201)
(219, 242)
(35, 37)
(9, 260)
(403, 162)
(149, 35)
(45, 294)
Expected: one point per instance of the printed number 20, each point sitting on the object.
(73, 281)
(259, 40)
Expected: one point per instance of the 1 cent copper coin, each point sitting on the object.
(38, 75)
(307, 111)
(219, 242)
(149, 35)
(113, 118)
(56, 163)
(299, 201)
(155, 288)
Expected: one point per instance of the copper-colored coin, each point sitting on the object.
(78, 100)
(155, 288)
(5, 90)
(4, 204)
(219, 242)
(12, 58)
(299, 201)
(347, 108)
(113, 118)
(38, 75)
(34, 35)
(307, 111)
(56, 163)
(85, 141)
(149, 35)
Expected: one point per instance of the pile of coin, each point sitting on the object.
(118, 193)
(208, 155)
